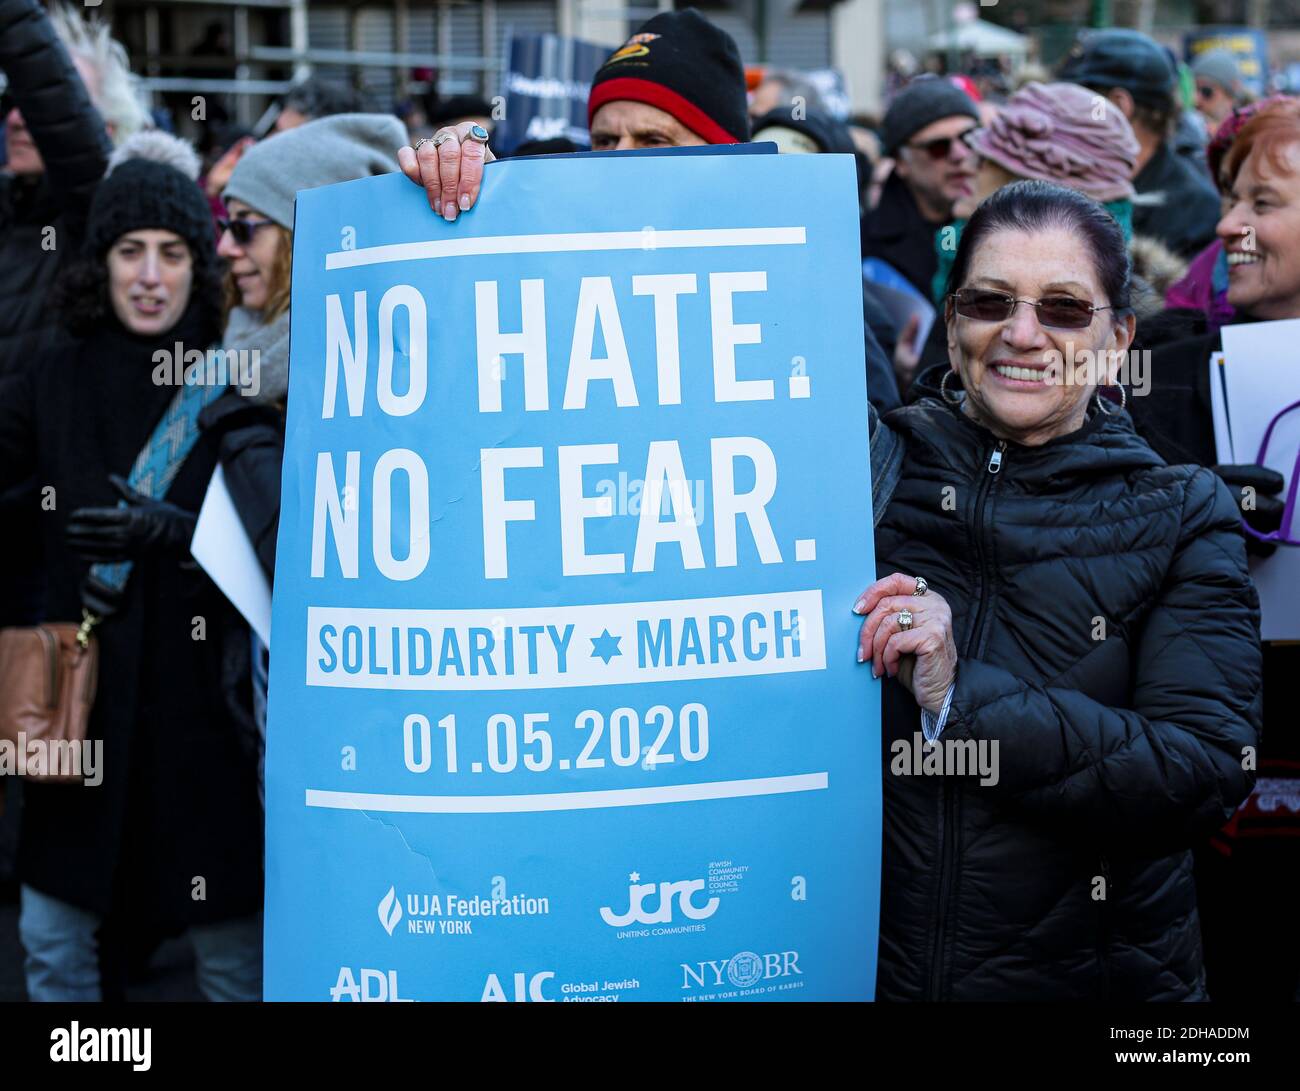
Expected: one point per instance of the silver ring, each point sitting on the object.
(921, 586)
(904, 620)
(478, 133)
(441, 137)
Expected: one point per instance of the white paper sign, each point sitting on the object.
(222, 548)
(1262, 377)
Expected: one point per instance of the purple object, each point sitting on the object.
(1281, 535)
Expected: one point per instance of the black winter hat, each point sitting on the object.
(1121, 58)
(684, 65)
(922, 102)
(143, 193)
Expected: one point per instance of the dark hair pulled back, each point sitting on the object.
(1031, 206)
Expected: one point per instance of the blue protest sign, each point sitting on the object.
(547, 83)
(564, 697)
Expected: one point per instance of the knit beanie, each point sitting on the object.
(150, 185)
(1053, 132)
(1228, 129)
(823, 131)
(922, 102)
(331, 149)
(1219, 66)
(687, 67)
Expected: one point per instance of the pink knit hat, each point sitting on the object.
(1064, 133)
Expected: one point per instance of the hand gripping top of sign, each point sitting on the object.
(449, 167)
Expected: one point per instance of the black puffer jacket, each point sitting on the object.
(42, 220)
(1108, 640)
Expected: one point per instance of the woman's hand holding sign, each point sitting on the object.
(449, 165)
(922, 654)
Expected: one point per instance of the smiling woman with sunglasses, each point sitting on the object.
(257, 243)
(1061, 610)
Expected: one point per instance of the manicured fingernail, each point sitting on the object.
(464, 202)
(859, 606)
(861, 658)
(875, 672)
(449, 211)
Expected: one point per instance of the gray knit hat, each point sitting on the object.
(330, 149)
(1219, 66)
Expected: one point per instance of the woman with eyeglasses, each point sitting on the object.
(1071, 621)
(1240, 874)
(1063, 133)
(257, 242)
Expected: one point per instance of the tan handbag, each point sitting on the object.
(47, 687)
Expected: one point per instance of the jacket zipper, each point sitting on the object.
(947, 836)
(1103, 934)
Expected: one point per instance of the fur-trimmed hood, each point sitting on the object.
(1156, 269)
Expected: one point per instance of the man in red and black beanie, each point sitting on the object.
(677, 81)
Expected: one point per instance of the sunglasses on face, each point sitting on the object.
(1060, 312)
(242, 231)
(941, 147)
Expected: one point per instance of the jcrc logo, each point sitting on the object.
(526, 988)
(743, 970)
(637, 913)
(376, 987)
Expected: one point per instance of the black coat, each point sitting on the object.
(1175, 203)
(1118, 747)
(896, 232)
(41, 224)
(179, 795)
(250, 442)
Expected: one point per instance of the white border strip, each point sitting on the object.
(647, 239)
(566, 801)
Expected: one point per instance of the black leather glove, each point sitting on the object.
(142, 527)
(99, 599)
(1256, 488)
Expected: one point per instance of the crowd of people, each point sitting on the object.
(1076, 213)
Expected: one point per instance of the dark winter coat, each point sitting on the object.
(1107, 634)
(249, 436)
(896, 232)
(41, 224)
(178, 802)
(1175, 203)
